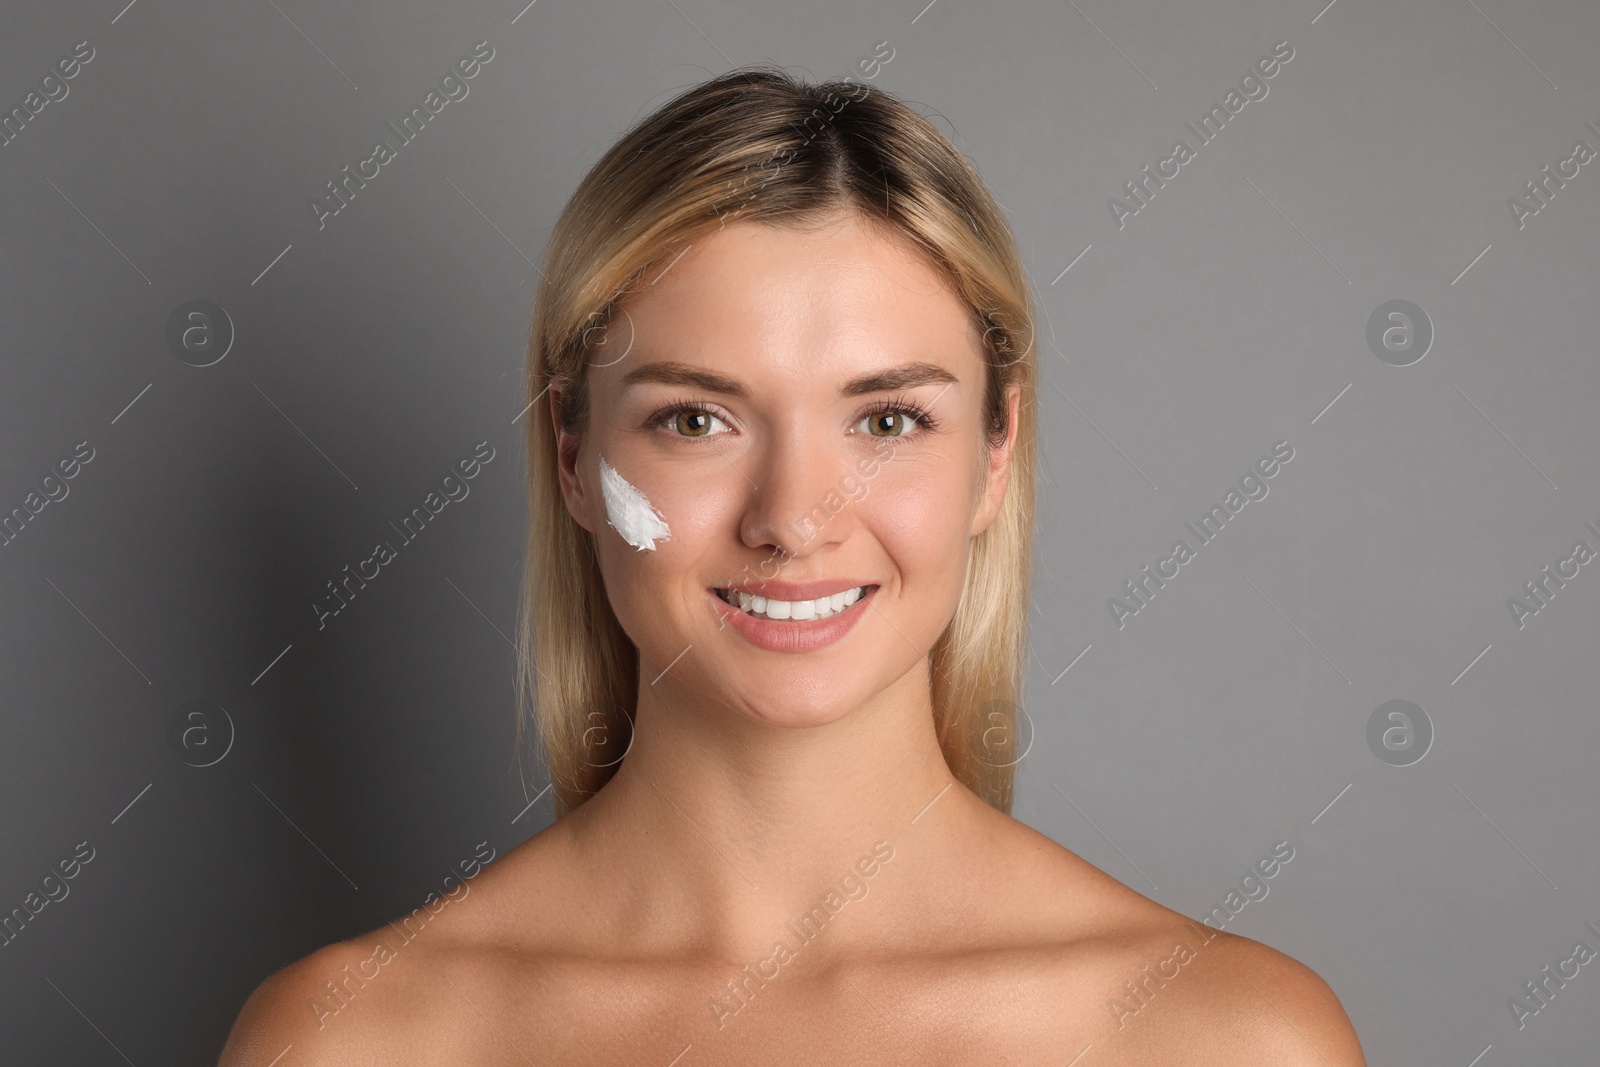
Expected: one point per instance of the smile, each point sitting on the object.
(826, 607)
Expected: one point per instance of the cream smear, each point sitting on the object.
(630, 511)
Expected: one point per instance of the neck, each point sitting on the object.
(730, 827)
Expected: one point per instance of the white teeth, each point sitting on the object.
(800, 610)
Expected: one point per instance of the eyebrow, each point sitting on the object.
(671, 372)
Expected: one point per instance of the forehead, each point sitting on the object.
(826, 303)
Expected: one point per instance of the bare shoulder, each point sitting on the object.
(1242, 1002)
(299, 1008)
(408, 991)
(1154, 986)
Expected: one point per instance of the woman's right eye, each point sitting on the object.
(687, 420)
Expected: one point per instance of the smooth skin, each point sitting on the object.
(758, 781)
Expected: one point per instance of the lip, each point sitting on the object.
(787, 635)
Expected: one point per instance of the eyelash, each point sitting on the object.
(899, 405)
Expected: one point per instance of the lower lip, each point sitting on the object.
(787, 635)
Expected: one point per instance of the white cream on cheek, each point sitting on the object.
(630, 512)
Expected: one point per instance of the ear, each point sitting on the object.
(568, 453)
(997, 474)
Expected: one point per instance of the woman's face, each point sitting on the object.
(759, 393)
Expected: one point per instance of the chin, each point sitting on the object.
(784, 709)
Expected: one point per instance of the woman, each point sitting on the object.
(782, 454)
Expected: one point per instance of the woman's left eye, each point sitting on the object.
(891, 420)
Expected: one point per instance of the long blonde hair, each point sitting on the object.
(757, 143)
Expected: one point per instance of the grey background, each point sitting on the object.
(371, 756)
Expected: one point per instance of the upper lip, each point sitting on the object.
(811, 590)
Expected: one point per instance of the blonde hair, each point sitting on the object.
(758, 144)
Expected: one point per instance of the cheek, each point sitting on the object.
(646, 587)
(919, 510)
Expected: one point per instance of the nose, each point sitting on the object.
(802, 497)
